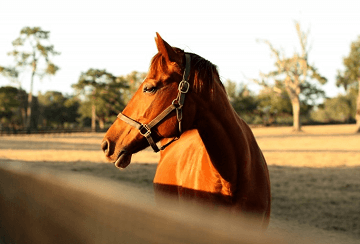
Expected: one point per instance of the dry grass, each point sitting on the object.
(310, 130)
(315, 175)
(316, 146)
(82, 147)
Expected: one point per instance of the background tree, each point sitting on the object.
(57, 110)
(350, 78)
(103, 94)
(243, 101)
(10, 73)
(32, 49)
(274, 105)
(294, 73)
(71, 116)
(12, 102)
(338, 109)
(134, 80)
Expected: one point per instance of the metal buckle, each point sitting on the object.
(184, 86)
(148, 131)
(179, 114)
(176, 104)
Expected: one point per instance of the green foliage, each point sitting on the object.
(8, 100)
(103, 90)
(351, 75)
(31, 48)
(271, 106)
(352, 95)
(273, 102)
(51, 69)
(9, 72)
(243, 101)
(85, 113)
(71, 105)
(133, 80)
(340, 109)
(315, 75)
(275, 107)
(51, 109)
(310, 93)
(37, 32)
(12, 104)
(57, 110)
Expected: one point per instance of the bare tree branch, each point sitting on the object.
(294, 72)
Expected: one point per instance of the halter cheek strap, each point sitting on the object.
(177, 104)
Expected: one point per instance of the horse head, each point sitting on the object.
(161, 93)
(182, 93)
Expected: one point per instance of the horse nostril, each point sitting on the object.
(105, 147)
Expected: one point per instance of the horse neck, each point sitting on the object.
(225, 136)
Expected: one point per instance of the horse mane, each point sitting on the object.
(203, 72)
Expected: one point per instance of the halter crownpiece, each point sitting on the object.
(177, 104)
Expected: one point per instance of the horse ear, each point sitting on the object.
(166, 50)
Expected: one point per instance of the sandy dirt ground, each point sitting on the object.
(317, 146)
(315, 174)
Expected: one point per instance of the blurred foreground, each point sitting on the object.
(314, 175)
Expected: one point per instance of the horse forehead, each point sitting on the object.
(159, 75)
(161, 70)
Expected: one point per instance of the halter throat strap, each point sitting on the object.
(177, 104)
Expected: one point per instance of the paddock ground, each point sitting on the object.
(315, 174)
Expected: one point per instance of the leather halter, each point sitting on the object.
(177, 104)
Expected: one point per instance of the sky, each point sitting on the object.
(119, 35)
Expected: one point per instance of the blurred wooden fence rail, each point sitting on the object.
(41, 206)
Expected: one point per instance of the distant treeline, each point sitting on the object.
(105, 98)
(290, 92)
(99, 97)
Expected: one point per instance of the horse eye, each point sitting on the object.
(149, 89)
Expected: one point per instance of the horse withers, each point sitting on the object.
(208, 154)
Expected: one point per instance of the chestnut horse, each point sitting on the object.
(208, 153)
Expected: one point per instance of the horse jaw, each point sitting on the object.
(123, 160)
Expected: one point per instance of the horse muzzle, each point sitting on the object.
(123, 158)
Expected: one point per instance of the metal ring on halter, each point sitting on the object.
(183, 84)
(176, 103)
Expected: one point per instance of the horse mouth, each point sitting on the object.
(123, 159)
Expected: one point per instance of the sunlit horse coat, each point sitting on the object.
(216, 159)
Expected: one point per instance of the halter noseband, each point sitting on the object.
(177, 104)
